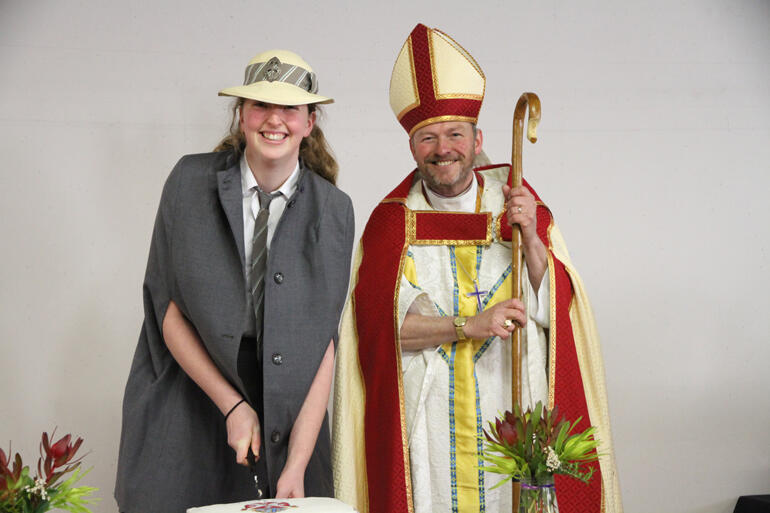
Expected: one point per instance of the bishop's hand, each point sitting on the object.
(492, 321)
(521, 209)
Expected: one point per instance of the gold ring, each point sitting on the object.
(519, 209)
(508, 323)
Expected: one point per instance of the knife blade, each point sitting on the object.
(252, 461)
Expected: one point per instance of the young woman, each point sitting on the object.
(247, 274)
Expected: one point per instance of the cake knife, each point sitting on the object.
(252, 461)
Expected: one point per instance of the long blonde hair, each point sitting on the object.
(314, 151)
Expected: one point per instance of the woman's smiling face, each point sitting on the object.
(273, 133)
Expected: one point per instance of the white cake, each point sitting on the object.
(306, 505)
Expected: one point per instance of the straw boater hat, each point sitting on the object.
(435, 79)
(280, 77)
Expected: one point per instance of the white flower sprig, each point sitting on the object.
(38, 489)
(552, 461)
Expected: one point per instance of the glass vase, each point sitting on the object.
(538, 497)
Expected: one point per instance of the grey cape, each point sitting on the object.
(173, 448)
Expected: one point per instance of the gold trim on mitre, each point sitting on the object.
(439, 119)
(453, 70)
(403, 95)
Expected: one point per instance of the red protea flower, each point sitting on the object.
(4, 472)
(508, 434)
(57, 456)
(8, 475)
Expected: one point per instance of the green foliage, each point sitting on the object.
(72, 498)
(532, 446)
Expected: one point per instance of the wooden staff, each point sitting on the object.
(533, 102)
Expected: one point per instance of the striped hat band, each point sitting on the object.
(273, 70)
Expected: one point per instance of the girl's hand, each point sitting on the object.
(243, 432)
(291, 484)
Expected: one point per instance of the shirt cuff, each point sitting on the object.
(540, 303)
(414, 300)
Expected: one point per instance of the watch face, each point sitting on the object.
(459, 322)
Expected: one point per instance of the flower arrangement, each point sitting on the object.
(21, 493)
(532, 446)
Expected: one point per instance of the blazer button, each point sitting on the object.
(275, 437)
(277, 358)
(278, 277)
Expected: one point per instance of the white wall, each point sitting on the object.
(653, 154)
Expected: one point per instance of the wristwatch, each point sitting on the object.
(459, 322)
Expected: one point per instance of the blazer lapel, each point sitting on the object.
(231, 197)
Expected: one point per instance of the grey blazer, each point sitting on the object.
(173, 449)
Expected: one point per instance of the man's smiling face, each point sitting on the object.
(444, 154)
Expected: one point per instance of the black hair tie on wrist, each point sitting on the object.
(233, 408)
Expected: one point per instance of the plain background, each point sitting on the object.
(653, 155)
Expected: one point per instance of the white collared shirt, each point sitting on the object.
(251, 206)
(463, 202)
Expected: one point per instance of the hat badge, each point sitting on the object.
(272, 69)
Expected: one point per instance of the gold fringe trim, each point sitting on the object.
(402, 407)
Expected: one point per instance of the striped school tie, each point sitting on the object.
(258, 263)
